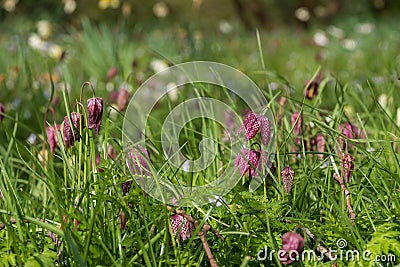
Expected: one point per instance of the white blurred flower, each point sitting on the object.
(69, 6)
(365, 28)
(217, 201)
(44, 28)
(31, 139)
(335, 32)
(225, 27)
(172, 91)
(273, 86)
(321, 39)
(349, 44)
(382, 100)
(158, 65)
(302, 14)
(35, 41)
(161, 10)
(186, 166)
(9, 5)
(398, 117)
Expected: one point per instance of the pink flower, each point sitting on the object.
(95, 112)
(320, 142)
(292, 246)
(123, 99)
(296, 125)
(248, 161)
(252, 124)
(350, 131)
(287, 178)
(2, 111)
(51, 133)
(185, 228)
(111, 73)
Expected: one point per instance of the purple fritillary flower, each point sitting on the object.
(71, 133)
(254, 123)
(136, 160)
(249, 163)
(95, 112)
(51, 133)
(251, 125)
(292, 246)
(2, 111)
(296, 125)
(185, 228)
(287, 178)
(347, 164)
(265, 130)
(350, 131)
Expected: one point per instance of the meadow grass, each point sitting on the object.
(62, 209)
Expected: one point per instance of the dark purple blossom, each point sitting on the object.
(51, 132)
(124, 219)
(287, 178)
(95, 112)
(248, 162)
(126, 187)
(292, 246)
(181, 224)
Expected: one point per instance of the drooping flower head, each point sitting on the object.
(51, 132)
(252, 125)
(185, 228)
(292, 246)
(2, 111)
(95, 112)
(71, 132)
(248, 162)
(350, 131)
(287, 178)
(320, 142)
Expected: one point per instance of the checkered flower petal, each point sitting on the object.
(185, 228)
(265, 130)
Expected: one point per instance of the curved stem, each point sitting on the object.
(83, 86)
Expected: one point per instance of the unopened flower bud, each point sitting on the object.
(287, 178)
(123, 99)
(51, 133)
